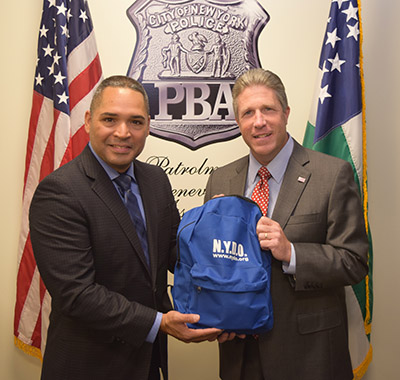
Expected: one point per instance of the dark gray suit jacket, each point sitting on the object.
(104, 296)
(322, 216)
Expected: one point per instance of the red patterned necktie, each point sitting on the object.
(261, 190)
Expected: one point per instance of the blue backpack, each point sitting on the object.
(221, 272)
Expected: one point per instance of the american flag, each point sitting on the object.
(337, 127)
(340, 87)
(67, 72)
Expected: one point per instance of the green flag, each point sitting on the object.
(336, 126)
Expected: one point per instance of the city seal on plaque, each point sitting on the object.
(188, 54)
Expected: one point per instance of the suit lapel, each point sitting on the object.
(237, 183)
(106, 191)
(294, 182)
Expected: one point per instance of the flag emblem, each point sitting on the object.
(68, 69)
(336, 126)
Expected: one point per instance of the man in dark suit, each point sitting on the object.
(315, 231)
(110, 312)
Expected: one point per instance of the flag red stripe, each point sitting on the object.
(37, 102)
(36, 335)
(24, 278)
(67, 154)
(47, 165)
(77, 143)
(37, 332)
(54, 138)
(83, 83)
(79, 140)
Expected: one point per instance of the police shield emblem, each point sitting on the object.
(196, 61)
(187, 56)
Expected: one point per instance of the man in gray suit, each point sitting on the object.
(110, 312)
(315, 231)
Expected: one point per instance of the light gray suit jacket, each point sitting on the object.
(322, 216)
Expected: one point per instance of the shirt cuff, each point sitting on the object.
(151, 337)
(290, 268)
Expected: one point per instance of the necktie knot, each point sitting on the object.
(264, 174)
(124, 182)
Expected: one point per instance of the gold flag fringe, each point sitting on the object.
(28, 349)
(360, 371)
(367, 321)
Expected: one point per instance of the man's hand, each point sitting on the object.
(227, 336)
(272, 237)
(218, 195)
(174, 323)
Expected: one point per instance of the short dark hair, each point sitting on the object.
(120, 81)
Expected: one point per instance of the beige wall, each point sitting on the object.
(289, 45)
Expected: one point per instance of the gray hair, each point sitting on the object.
(261, 77)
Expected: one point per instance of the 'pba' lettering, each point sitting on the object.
(202, 101)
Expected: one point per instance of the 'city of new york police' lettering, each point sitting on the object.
(187, 56)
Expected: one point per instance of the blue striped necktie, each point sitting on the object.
(131, 203)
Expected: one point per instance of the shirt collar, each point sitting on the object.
(277, 166)
(111, 172)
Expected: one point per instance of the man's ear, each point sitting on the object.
(287, 112)
(88, 118)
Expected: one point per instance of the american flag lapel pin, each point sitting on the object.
(301, 179)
